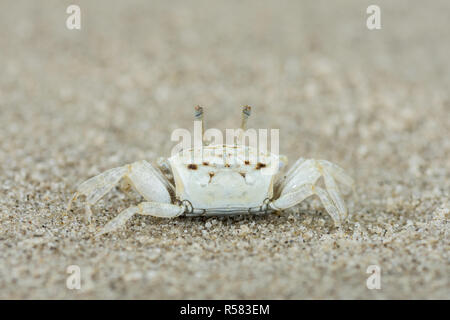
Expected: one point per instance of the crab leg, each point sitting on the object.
(96, 187)
(293, 198)
(162, 210)
(145, 179)
(305, 173)
(337, 172)
(311, 170)
(283, 179)
(334, 193)
(334, 212)
(301, 193)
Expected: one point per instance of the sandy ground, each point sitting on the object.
(75, 103)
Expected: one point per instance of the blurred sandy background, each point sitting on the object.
(75, 103)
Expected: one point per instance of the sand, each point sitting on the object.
(74, 103)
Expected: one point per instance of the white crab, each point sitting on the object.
(224, 180)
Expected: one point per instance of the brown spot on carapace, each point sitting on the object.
(242, 174)
(227, 165)
(206, 163)
(192, 166)
(260, 165)
(247, 162)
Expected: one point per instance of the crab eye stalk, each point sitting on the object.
(198, 116)
(198, 113)
(246, 111)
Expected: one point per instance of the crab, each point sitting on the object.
(224, 180)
